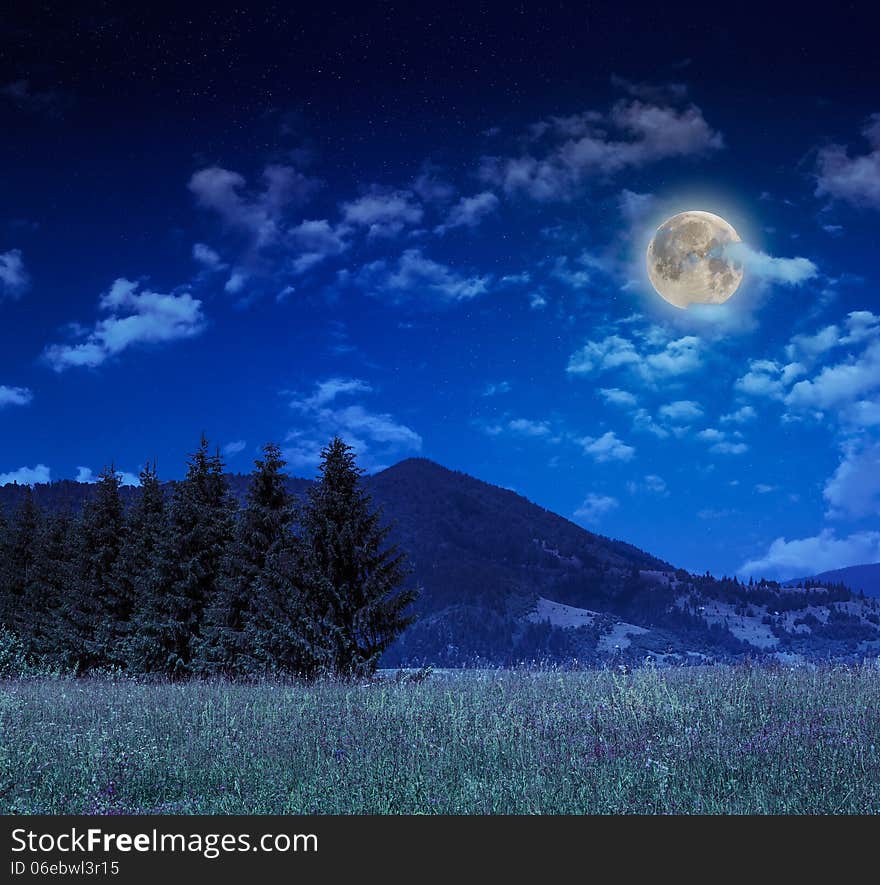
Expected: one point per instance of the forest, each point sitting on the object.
(188, 583)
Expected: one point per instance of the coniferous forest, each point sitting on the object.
(187, 583)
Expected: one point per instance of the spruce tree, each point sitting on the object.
(97, 611)
(265, 623)
(140, 569)
(5, 571)
(267, 515)
(200, 530)
(20, 559)
(355, 577)
(52, 576)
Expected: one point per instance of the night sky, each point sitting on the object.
(425, 231)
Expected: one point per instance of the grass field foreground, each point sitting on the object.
(690, 740)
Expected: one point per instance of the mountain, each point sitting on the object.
(861, 578)
(504, 581)
(468, 539)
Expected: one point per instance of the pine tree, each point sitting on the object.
(97, 611)
(20, 558)
(52, 577)
(200, 530)
(263, 525)
(5, 571)
(272, 613)
(283, 628)
(355, 578)
(140, 569)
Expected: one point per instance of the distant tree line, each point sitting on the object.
(190, 584)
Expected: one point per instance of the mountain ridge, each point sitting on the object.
(864, 577)
(505, 580)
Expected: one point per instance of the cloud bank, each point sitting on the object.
(804, 557)
(27, 476)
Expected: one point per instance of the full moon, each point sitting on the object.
(687, 263)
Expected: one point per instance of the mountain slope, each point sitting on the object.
(470, 540)
(504, 580)
(864, 578)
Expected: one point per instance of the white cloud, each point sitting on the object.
(840, 384)
(418, 277)
(853, 490)
(726, 447)
(764, 378)
(383, 212)
(741, 416)
(680, 356)
(285, 293)
(261, 216)
(617, 397)
(610, 353)
(643, 421)
(607, 447)
(207, 257)
(470, 211)
(14, 279)
(526, 427)
(635, 207)
(381, 428)
(711, 434)
(231, 449)
(494, 388)
(144, 317)
(373, 435)
(809, 347)
(567, 151)
(259, 213)
(302, 449)
(720, 443)
(431, 187)
(651, 484)
(804, 557)
(537, 301)
(236, 282)
(681, 412)
(85, 475)
(768, 269)
(575, 278)
(328, 390)
(655, 483)
(315, 241)
(852, 179)
(27, 476)
(15, 396)
(595, 507)
(863, 413)
(861, 325)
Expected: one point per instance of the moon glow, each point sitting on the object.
(687, 260)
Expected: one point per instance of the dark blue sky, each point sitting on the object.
(426, 233)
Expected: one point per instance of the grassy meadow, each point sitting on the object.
(691, 740)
